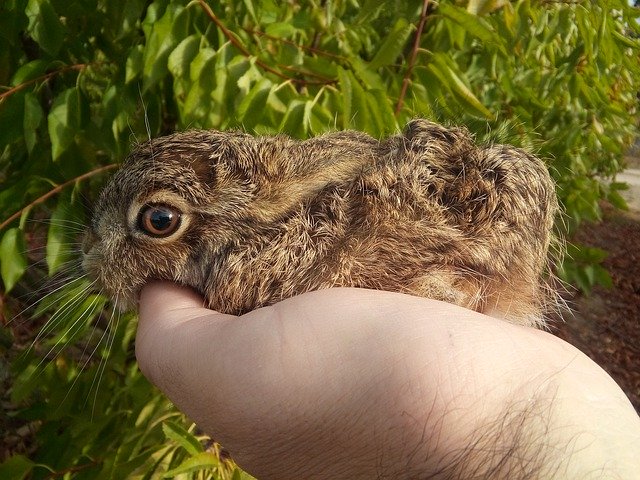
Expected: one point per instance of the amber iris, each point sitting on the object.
(159, 220)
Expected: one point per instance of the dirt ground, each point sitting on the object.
(606, 324)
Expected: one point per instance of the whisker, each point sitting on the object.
(65, 249)
(103, 364)
(58, 286)
(88, 358)
(59, 314)
(86, 314)
(69, 225)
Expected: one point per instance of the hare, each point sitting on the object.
(248, 221)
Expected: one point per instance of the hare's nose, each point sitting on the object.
(88, 241)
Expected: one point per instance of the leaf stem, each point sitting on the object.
(316, 50)
(412, 58)
(56, 190)
(74, 469)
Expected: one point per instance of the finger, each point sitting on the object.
(170, 317)
(162, 305)
(158, 298)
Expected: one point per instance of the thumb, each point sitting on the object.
(169, 317)
(166, 302)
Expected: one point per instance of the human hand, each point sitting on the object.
(351, 383)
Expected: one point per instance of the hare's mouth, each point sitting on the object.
(124, 303)
(121, 300)
(122, 290)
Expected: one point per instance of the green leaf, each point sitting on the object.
(361, 115)
(45, 26)
(382, 116)
(182, 437)
(347, 97)
(126, 468)
(371, 9)
(29, 71)
(484, 7)
(200, 461)
(602, 277)
(393, 45)
(240, 73)
(240, 475)
(473, 24)
(281, 30)
(25, 383)
(617, 200)
(320, 65)
(627, 41)
(183, 55)
(293, 121)
(163, 38)
(33, 116)
(64, 121)
(134, 64)
(59, 237)
(251, 108)
(356, 112)
(462, 92)
(11, 120)
(250, 76)
(128, 16)
(368, 77)
(197, 104)
(619, 186)
(13, 261)
(16, 467)
(249, 5)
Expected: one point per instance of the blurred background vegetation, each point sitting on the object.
(84, 81)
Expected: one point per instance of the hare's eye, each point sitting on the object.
(158, 220)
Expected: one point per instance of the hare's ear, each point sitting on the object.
(236, 152)
(205, 170)
(227, 154)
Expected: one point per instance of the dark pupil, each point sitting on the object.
(161, 219)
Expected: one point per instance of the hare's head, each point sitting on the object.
(175, 200)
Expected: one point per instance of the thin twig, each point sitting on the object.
(412, 58)
(234, 41)
(317, 51)
(45, 78)
(55, 190)
(325, 80)
(74, 469)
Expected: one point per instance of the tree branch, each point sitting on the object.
(46, 77)
(234, 41)
(412, 58)
(56, 190)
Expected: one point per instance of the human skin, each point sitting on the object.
(353, 383)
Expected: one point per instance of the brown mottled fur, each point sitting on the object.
(426, 212)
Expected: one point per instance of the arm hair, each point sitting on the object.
(525, 442)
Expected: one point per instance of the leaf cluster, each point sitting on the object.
(84, 81)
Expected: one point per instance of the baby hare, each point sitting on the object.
(248, 221)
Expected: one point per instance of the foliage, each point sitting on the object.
(85, 80)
